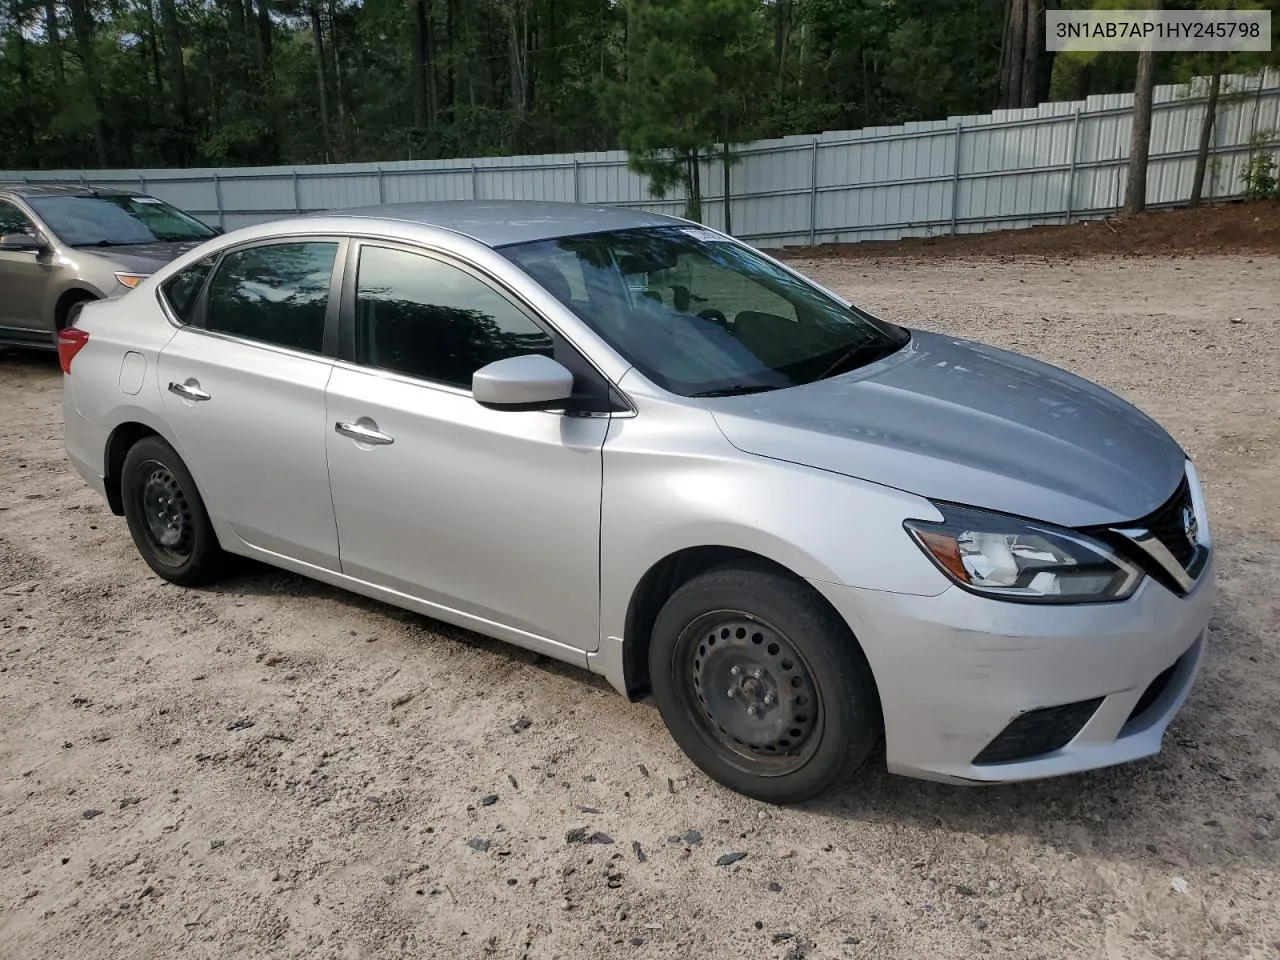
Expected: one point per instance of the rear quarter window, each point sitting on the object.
(182, 290)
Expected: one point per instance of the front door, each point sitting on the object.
(24, 277)
(491, 514)
(244, 388)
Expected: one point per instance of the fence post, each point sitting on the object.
(1071, 169)
(955, 180)
(475, 182)
(142, 184)
(217, 197)
(577, 189)
(297, 194)
(381, 188)
(813, 195)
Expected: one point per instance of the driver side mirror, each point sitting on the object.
(21, 241)
(529, 382)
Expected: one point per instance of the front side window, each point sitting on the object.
(427, 319)
(13, 220)
(701, 315)
(116, 220)
(276, 293)
(183, 289)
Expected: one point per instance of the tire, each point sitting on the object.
(166, 516)
(817, 713)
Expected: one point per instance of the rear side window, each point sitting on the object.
(425, 318)
(182, 290)
(275, 293)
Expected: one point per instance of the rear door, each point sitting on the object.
(244, 388)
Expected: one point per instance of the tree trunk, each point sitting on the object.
(322, 79)
(82, 28)
(1032, 54)
(55, 48)
(341, 144)
(1135, 195)
(176, 75)
(693, 186)
(728, 194)
(418, 64)
(1206, 131)
(264, 38)
(1014, 56)
(25, 111)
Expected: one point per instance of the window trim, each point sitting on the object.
(170, 313)
(346, 354)
(42, 231)
(329, 338)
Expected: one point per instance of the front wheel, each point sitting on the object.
(762, 685)
(166, 516)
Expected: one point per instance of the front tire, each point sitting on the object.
(762, 685)
(166, 516)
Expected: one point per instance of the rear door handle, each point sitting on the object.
(188, 391)
(363, 432)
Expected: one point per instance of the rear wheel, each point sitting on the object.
(166, 516)
(762, 685)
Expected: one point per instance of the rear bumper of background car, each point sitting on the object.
(980, 690)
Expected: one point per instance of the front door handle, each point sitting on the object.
(190, 390)
(364, 432)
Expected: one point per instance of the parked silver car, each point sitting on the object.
(640, 446)
(63, 245)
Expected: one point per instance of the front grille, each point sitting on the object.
(1038, 732)
(1152, 693)
(1169, 528)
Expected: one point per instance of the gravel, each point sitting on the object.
(1082, 866)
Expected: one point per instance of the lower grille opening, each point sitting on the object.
(1152, 693)
(1038, 732)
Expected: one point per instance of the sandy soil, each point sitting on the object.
(271, 768)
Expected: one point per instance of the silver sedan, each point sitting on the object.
(640, 446)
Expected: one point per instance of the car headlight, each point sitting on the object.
(1015, 559)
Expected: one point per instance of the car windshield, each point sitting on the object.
(117, 220)
(701, 315)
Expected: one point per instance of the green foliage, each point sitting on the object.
(1259, 173)
(690, 69)
(414, 79)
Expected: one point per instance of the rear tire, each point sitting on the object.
(166, 516)
(762, 685)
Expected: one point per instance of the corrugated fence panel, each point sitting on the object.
(1049, 164)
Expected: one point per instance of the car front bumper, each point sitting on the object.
(955, 670)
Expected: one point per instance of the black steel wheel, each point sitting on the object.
(762, 684)
(166, 516)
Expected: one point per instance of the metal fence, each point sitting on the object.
(1054, 163)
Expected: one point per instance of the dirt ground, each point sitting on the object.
(272, 768)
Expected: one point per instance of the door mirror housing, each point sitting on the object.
(529, 382)
(21, 241)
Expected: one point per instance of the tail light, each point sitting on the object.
(71, 340)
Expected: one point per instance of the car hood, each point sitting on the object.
(137, 258)
(959, 421)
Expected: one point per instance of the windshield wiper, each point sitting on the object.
(857, 356)
(735, 391)
(114, 243)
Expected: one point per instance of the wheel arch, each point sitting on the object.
(120, 441)
(67, 300)
(663, 579)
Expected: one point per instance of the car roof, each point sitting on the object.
(497, 223)
(51, 189)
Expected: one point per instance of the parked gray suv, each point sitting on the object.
(64, 245)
